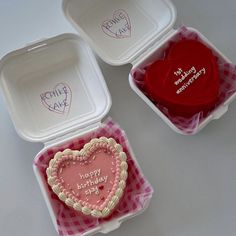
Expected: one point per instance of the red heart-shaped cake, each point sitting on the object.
(91, 180)
(186, 81)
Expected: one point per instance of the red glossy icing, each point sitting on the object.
(186, 81)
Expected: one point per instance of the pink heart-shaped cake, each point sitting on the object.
(91, 180)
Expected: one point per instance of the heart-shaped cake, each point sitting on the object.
(186, 81)
(91, 180)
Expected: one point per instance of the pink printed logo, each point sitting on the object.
(119, 26)
(57, 100)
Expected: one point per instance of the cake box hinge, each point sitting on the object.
(73, 134)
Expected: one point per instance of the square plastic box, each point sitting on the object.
(135, 32)
(56, 95)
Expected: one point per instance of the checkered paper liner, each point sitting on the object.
(227, 73)
(137, 194)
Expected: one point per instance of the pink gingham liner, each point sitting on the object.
(227, 84)
(137, 194)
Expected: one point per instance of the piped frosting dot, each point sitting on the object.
(96, 213)
(77, 206)
(69, 202)
(106, 211)
(124, 165)
(62, 196)
(123, 156)
(86, 210)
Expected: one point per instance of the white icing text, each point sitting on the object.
(93, 179)
(91, 174)
(184, 75)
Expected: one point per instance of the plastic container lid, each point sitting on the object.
(119, 31)
(54, 87)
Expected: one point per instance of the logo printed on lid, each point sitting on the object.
(57, 100)
(119, 26)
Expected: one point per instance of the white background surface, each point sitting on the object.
(194, 177)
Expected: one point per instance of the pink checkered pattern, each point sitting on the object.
(137, 195)
(227, 84)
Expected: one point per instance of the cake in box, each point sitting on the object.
(71, 217)
(87, 172)
(141, 33)
(186, 95)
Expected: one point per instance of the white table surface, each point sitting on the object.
(194, 177)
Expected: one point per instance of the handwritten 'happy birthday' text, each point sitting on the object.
(93, 179)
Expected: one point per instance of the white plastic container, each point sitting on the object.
(131, 31)
(55, 92)
(54, 88)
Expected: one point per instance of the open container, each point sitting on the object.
(56, 94)
(134, 31)
(54, 89)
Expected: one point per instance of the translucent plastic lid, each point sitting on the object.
(53, 87)
(119, 31)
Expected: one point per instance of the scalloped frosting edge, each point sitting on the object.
(76, 205)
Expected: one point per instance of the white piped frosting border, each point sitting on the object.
(77, 204)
